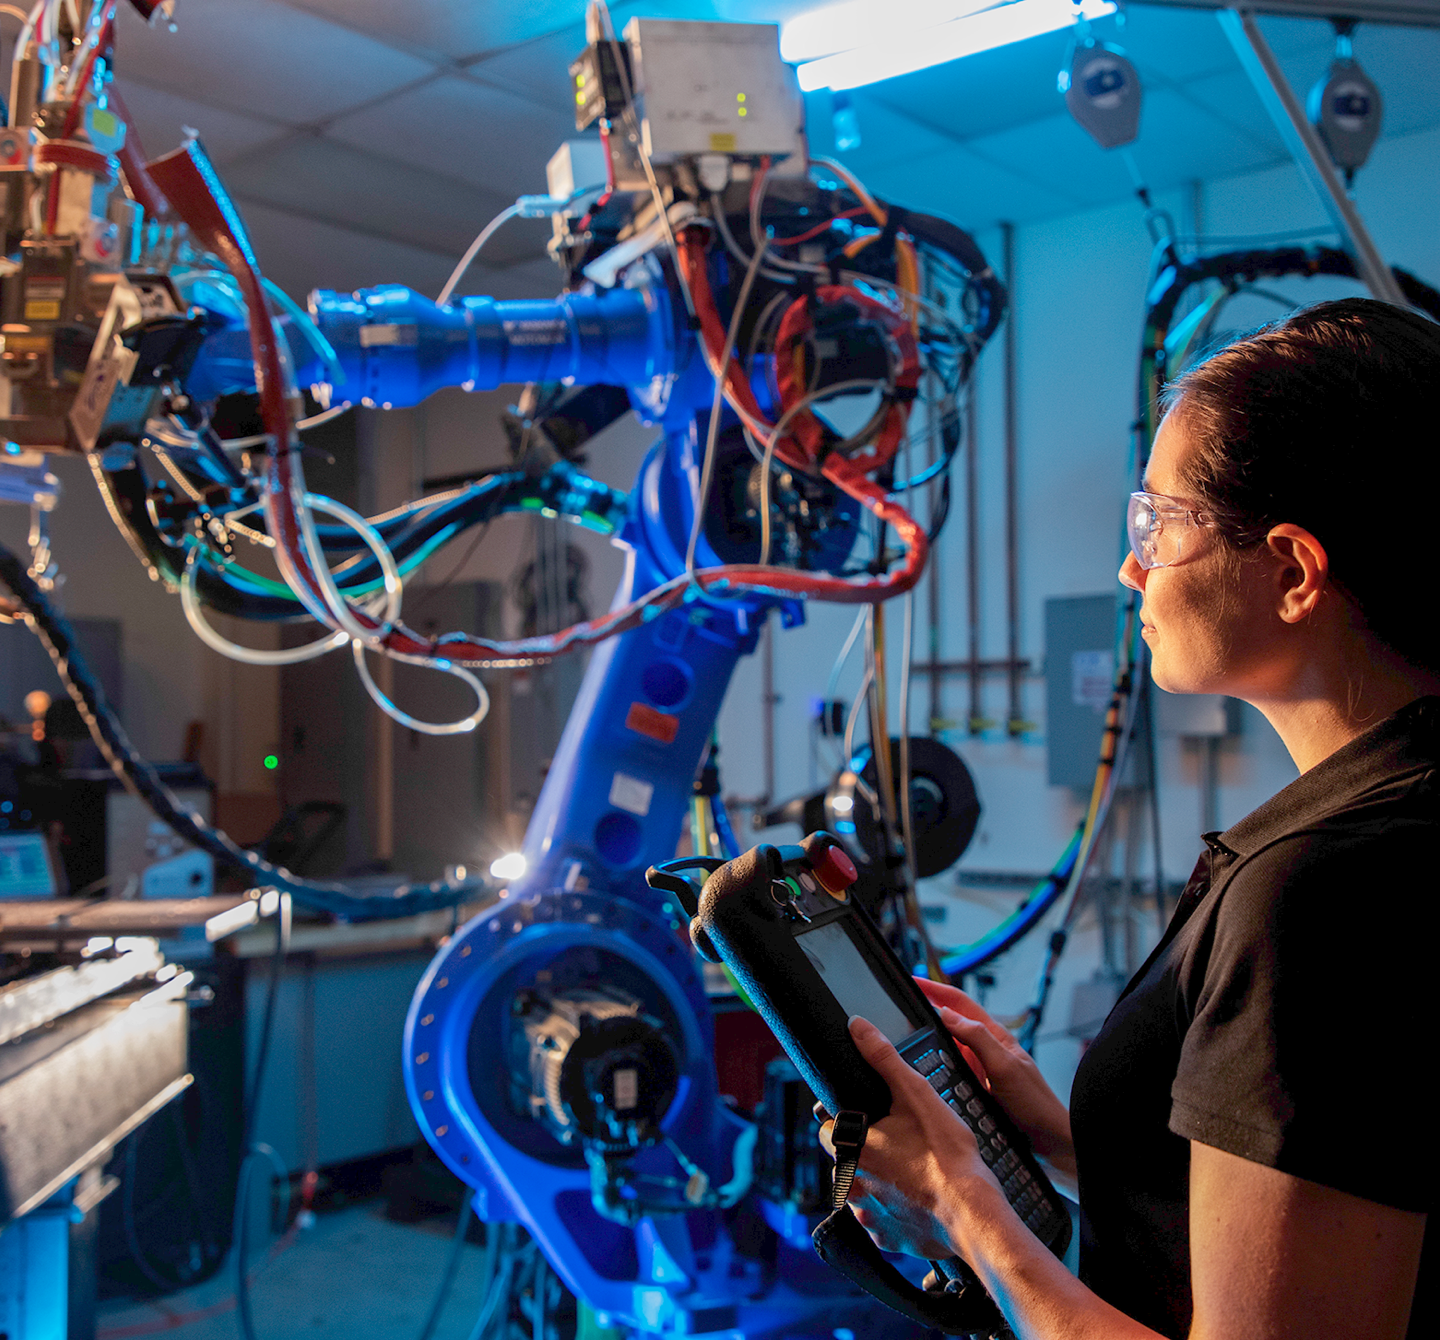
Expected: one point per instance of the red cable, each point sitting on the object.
(132, 162)
(190, 183)
(818, 228)
(797, 323)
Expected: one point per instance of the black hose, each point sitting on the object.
(139, 774)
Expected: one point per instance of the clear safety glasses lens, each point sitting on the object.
(1156, 529)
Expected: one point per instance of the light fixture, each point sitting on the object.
(853, 25)
(510, 866)
(864, 41)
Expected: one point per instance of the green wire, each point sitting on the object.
(267, 586)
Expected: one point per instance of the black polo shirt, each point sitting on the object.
(1284, 1017)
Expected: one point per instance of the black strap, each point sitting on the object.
(958, 1305)
(846, 1247)
(848, 1137)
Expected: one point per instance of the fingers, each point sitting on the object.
(974, 1037)
(945, 997)
(942, 993)
(878, 1050)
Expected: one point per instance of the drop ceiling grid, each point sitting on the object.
(414, 122)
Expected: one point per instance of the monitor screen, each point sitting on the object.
(25, 866)
(851, 981)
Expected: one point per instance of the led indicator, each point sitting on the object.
(739, 97)
(271, 762)
(743, 111)
(580, 99)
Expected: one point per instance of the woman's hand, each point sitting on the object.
(919, 1164)
(1009, 1073)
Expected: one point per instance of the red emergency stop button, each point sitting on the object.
(835, 870)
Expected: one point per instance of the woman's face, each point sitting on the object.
(1209, 619)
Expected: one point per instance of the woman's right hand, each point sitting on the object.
(1009, 1073)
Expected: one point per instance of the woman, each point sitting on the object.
(1252, 1148)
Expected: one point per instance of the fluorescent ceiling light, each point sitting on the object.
(855, 24)
(888, 49)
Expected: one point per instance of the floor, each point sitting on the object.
(352, 1273)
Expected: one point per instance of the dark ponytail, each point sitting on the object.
(1330, 420)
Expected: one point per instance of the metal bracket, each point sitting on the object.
(1310, 155)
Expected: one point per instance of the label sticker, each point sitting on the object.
(630, 793)
(1092, 676)
(404, 334)
(539, 331)
(645, 720)
(627, 1089)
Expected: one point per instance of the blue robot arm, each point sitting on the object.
(559, 1052)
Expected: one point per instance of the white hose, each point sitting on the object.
(190, 601)
(319, 564)
(486, 233)
(467, 723)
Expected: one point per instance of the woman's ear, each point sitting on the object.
(1302, 570)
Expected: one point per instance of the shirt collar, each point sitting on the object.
(1404, 744)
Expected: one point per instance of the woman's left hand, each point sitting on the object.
(917, 1161)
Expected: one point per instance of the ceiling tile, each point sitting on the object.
(1181, 140)
(1176, 44)
(538, 70)
(160, 119)
(1056, 156)
(240, 54)
(420, 158)
(461, 128)
(888, 137)
(1231, 97)
(301, 254)
(322, 179)
(972, 190)
(448, 29)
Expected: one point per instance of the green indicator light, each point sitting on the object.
(739, 97)
(271, 762)
(580, 99)
(742, 111)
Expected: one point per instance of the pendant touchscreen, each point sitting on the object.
(781, 919)
(834, 956)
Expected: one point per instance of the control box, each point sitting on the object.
(715, 88)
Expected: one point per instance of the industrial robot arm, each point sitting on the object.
(559, 1052)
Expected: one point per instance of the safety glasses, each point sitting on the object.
(1161, 527)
